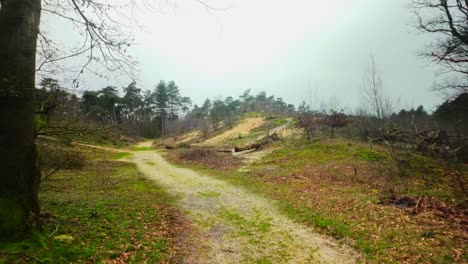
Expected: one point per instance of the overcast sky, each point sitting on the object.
(296, 49)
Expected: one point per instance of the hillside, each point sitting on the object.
(343, 188)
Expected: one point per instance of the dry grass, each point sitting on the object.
(338, 186)
(207, 157)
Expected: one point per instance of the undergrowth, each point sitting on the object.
(205, 156)
(337, 186)
(107, 212)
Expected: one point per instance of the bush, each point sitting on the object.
(57, 156)
(207, 157)
(196, 154)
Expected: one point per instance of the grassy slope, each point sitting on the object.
(315, 183)
(105, 212)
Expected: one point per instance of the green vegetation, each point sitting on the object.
(210, 194)
(105, 212)
(303, 152)
(280, 121)
(142, 148)
(252, 114)
(337, 186)
(11, 214)
(121, 155)
(246, 226)
(370, 155)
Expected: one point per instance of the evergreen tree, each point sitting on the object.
(132, 101)
(174, 100)
(161, 98)
(217, 112)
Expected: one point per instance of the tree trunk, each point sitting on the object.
(19, 174)
(259, 144)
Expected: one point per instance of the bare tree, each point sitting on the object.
(335, 119)
(310, 122)
(448, 20)
(375, 101)
(104, 30)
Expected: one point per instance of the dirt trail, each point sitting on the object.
(238, 226)
(242, 128)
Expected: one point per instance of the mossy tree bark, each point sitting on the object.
(19, 175)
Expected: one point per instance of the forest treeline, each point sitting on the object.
(145, 113)
(164, 111)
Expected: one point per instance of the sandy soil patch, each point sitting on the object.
(242, 129)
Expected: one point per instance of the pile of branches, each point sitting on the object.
(210, 158)
(259, 144)
(450, 150)
(434, 143)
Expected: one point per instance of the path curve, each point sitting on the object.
(237, 225)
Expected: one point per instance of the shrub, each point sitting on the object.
(57, 156)
(207, 157)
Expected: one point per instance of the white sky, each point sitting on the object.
(280, 46)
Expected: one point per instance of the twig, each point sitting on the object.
(227, 250)
(417, 204)
(56, 229)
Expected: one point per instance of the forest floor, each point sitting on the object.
(236, 225)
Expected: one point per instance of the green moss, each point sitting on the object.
(255, 131)
(305, 151)
(142, 148)
(280, 121)
(302, 213)
(252, 114)
(122, 155)
(246, 226)
(369, 155)
(294, 122)
(12, 218)
(209, 194)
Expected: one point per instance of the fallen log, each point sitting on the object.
(166, 146)
(215, 149)
(252, 146)
(224, 150)
(257, 145)
(170, 147)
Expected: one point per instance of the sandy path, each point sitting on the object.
(242, 128)
(237, 225)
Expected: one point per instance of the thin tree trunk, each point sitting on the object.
(19, 175)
